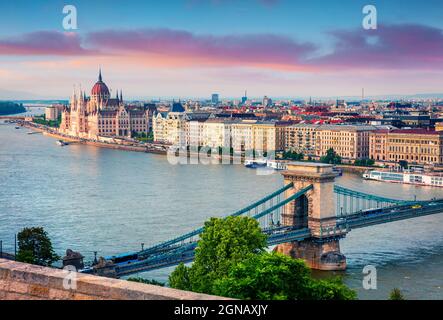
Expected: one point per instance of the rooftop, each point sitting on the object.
(417, 131)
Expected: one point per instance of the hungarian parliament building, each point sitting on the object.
(102, 116)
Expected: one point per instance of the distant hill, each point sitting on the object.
(7, 108)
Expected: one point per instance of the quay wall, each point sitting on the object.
(20, 281)
(96, 144)
(354, 169)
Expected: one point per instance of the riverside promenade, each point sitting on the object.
(134, 146)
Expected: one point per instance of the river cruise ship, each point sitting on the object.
(422, 179)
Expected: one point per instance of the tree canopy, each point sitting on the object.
(231, 261)
(223, 243)
(7, 108)
(331, 157)
(35, 247)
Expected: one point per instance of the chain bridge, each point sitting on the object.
(304, 219)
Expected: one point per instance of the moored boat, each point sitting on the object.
(62, 143)
(277, 165)
(255, 163)
(407, 177)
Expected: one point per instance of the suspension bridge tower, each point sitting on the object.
(314, 210)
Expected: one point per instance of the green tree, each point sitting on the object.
(180, 279)
(330, 289)
(292, 155)
(403, 164)
(273, 276)
(331, 157)
(223, 243)
(267, 276)
(396, 295)
(364, 162)
(231, 261)
(146, 281)
(35, 247)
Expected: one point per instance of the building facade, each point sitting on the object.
(378, 142)
(102, 116)
(301, 138)
(51, 113)
(416, 146)
(348, 141)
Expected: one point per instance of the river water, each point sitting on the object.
(92, 199)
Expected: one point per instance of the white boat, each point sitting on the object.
(277, 165)
(62, 143)
(422, 179)
(256, 163)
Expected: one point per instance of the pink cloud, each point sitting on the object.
(389, 47)
(44, 43)
(266, 50)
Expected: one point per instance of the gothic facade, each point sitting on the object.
(102, 116)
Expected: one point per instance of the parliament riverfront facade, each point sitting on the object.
(102, 116)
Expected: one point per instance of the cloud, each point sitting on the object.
(259, 50)
(390, 47)
(44, 43)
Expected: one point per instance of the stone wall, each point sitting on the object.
(20, 281)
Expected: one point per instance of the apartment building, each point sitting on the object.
(216, 133)
(378, 142)
(418, 146)
(348, 141)
(301, 138)
(170, 128)
(242, 135)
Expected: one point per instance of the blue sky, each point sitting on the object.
(305, 29)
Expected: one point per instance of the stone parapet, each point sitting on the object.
(20, 281)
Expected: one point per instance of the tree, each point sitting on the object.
(330, 289)
(223, 243)
(292, 155)
(331, 157)
(403, 164)
(35, 247)
(396, 295)
(146, 281)
(179, 279)
(364, 162)
(273, 276)
(267, 276)
(231, 261)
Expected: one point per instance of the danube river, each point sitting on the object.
(91, 199)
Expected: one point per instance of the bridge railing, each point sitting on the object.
(350, 201)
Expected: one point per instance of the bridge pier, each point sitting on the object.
(316, 211)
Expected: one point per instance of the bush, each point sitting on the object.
(396, 295)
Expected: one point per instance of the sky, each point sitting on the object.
(193, 48)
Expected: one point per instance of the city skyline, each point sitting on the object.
(269, 47)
